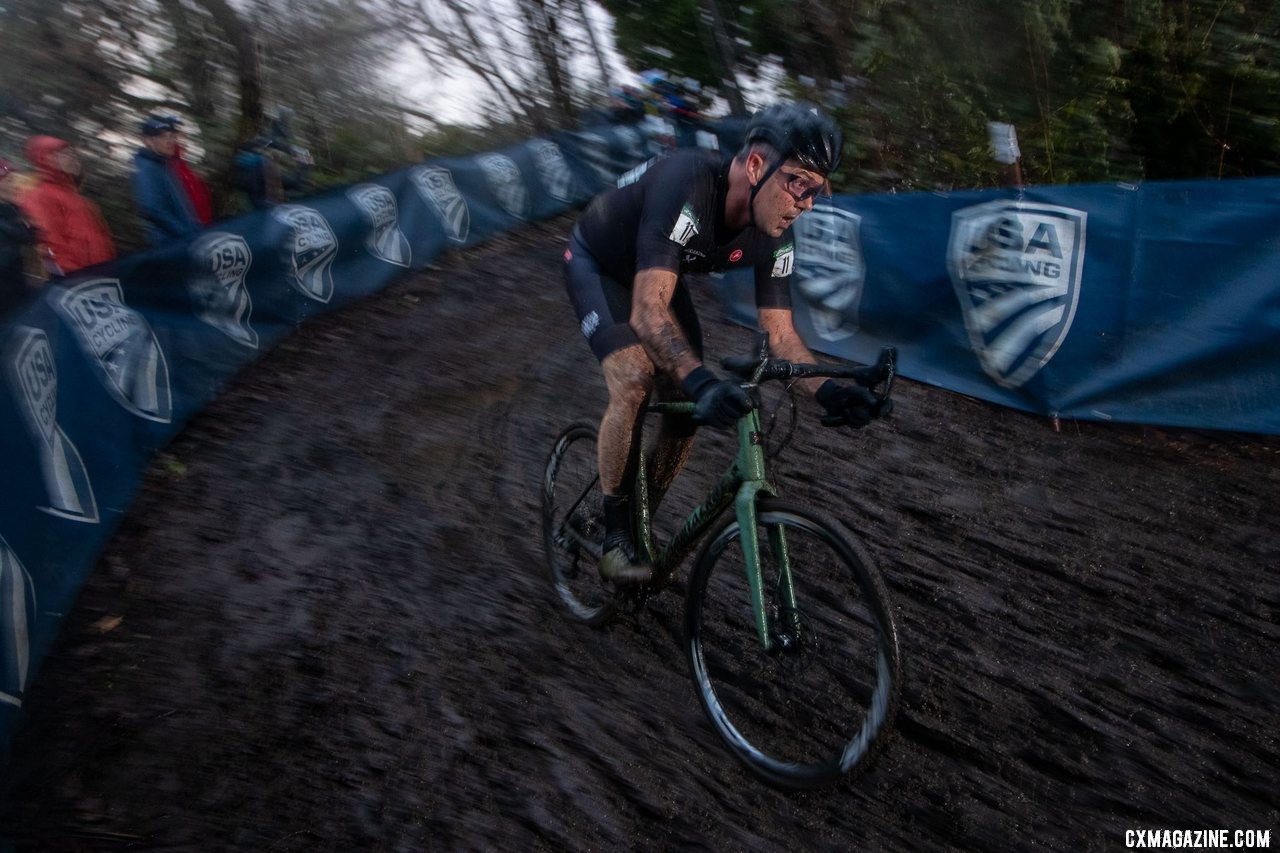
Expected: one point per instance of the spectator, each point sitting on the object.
(167, 211)
(255, 174)
(70, 228)
(17, 236)
(196, 189)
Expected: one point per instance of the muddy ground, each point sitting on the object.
(324, 626)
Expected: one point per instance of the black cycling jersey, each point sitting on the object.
(669, 214)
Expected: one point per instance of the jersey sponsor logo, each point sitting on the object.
(131, 364)
(386, 241)
(217, 286)
(34, 376)
(311, 247)
(830, 271)
(437, 189)
(507, 184)
(735, 256)
(784, 260)
(1016, 268)
(553, 169)
(17, 619)
(686, 226)
(590, 323)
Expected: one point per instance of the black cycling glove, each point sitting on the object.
(717, 402)
(849, 405)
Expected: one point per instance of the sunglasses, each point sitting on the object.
(800, 187)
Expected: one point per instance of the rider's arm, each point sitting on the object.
(653, 324)
(785, 342)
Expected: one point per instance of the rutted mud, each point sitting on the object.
(334, 632)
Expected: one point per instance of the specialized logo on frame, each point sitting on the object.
(310, 249)
(217, 286)
(131, 364)
(1016, 267)
(386, 241)
(34, 376)
(830, 270)
(438, 190)
(17, 619)
(553, 168)
(507, 183)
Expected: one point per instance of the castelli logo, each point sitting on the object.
(735, 256)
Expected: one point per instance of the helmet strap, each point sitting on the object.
(756, 187)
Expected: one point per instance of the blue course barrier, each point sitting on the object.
(104, 367)
(1157, 303)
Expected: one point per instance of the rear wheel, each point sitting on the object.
(573, 527)
(810, 710)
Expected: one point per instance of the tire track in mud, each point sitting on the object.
(336, 633)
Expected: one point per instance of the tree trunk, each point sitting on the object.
(605, 76)
(248, 68)
(724, 51)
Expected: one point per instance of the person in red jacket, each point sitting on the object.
(71, 229)
(194, 185)
(197, 190)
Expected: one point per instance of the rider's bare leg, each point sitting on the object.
(628, 374)
(670, 453)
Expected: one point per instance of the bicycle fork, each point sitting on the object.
(775, 635)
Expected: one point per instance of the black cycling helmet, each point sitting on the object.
(800, 131)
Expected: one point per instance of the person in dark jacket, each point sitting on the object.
(166, 209)
(17, 235)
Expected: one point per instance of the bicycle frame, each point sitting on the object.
(741, 482)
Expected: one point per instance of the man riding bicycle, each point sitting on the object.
(690, 213)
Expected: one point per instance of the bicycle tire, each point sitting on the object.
(812, 715)
(573, 527)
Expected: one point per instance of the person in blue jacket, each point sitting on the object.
(167, 213)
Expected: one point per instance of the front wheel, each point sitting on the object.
(573, 527)
(808, 711)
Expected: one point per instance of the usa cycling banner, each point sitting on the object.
(104, 367)
(1157, 303)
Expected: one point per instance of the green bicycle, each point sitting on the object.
(789, 633)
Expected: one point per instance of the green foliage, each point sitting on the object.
(1136, 90)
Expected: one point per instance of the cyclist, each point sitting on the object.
(690, 213)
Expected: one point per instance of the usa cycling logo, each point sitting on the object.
(17, 618)
(378, 206)
(311, 247)
(507, 184)
(34, 376)
(554, 169)
(131, 364)
(437, 189)
(830, 270)
(218, 292)
(1016, 268)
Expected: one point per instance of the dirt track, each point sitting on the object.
(334, 632)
